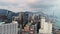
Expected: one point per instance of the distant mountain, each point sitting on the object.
(7, 13)
(10, 14)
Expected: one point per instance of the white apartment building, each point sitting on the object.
(46, 27)
(9, 28)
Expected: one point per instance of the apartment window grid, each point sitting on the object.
(8, 29)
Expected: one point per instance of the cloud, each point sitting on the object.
(20, 5)
(47, 5)
(18, 2)
(44, 5)
(15, 5)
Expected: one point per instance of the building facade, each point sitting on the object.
(46, 27)
(10, 28)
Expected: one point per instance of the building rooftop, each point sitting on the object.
(7, 23)
(2, 23)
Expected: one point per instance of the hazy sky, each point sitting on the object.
(16, 5)
(19, 5)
